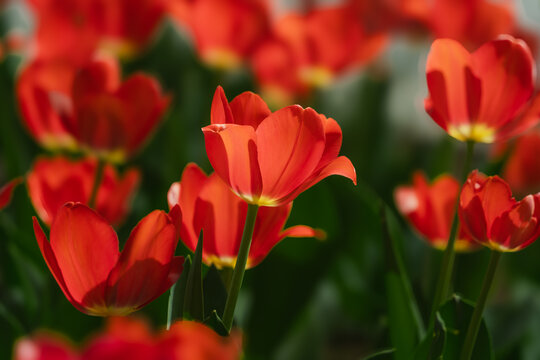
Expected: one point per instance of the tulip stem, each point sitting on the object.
(240, 267)
(476, 319)
(447, 265)
(97, 182)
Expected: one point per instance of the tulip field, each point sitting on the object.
(269, 179)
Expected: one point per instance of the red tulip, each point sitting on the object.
(121, 27)
(44, 346)
(128, 338)
(308, 51)
(237, 27)
(481, 96)
(95, 277)
(494, 218)
(43, 93)
(269, 158)
(64, 106)
(207, 203)
(54, 181)
(522, 168)
(430, 210)
(6, 191)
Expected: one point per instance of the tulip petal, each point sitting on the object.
(221, 214)
(506, 68)
(145, 263)
(290, 144)
(474, 220)
(221, 112)
(232, 151)
(249, 109)
(6, 191)
(86, 249)
(185, 193)
(339, 166)
(446, 79)
(303, 231)
(52, 264)
(144, 105)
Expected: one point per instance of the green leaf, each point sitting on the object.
(215, 293)
(177, 292)
(456, 314)
(405, 322)
(453, 319)
(386, 354)
(402, 326)
(193, 299)
(214, 321)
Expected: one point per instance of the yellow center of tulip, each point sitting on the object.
(122, 49)
(222, 59)
(473, 132)
(460, 245)
(316, 76)
(101, 310)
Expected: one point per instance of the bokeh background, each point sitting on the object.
(308, 299)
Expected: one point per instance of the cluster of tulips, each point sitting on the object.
(75, 102)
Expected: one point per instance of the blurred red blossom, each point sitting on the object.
(52, 182)
(270, 158)
(6, 191)
(494, 218)
(522, 168)
(77, 29)
(484, 96)
(307, 51)
(132, 339)
(94, 276)
(208, 204)
(430, 209)
(225, 32)
(89, 108)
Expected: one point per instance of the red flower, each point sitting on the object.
(54, 181)
(121, 27)
(269, 158)
(44, 346)
(207, 203)
(308, 51)
(90, 107)
(131, 339)
(43, 93)
(95, 277)
(522, 169)
(481, 96)
(237, 27)
(6, 191)
(430, 209)
(494, 218)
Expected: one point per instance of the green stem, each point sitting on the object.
(447, 265)
(240, 267)
(97, 182)
(476, 319)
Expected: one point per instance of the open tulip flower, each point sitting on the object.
(52, 182)
(89, 108)
(95, 277)
(269, 158)
(207, 203)
(6, 191)
(483, 96)
(494, 218)
(430, 209)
